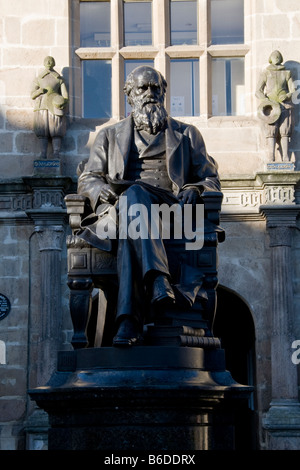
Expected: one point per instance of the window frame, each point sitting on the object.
(161, 52)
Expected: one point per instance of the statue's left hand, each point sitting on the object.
(107, 195)
(188, 196)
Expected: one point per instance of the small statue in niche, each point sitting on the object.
(275, 89)
(50, 94)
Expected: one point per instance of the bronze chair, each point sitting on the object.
(89, 269)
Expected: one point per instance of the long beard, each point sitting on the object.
(150, 117)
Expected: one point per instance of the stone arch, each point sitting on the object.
(234, 325)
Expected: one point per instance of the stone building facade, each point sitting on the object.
(259, 293)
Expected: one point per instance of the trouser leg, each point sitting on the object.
(56, 144)
(285, 148)
(141, 258)
(43, 146)
(271, 142)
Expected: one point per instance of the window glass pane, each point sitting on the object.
(95, 24)
(183, 22)
(96, 79)
(137, 23)
(227, 21)
(228, 87)
(129, 66)
(184, 87)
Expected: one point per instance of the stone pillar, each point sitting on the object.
(50, 239)
(50, 220)
(282, 421)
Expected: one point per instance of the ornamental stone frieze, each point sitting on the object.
(243, 197)
(32, 193)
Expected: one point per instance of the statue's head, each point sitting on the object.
(145, 88)
(49, 62)
(276, 58)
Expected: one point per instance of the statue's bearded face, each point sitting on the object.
(146, 98)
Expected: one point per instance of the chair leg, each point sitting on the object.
(80, 309)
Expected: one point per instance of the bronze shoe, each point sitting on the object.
(162, 291)
(128, 334)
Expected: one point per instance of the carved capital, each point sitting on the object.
(50, 237)
(280, 221)
(280, 236)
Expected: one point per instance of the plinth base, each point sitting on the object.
(281, 423)
(143, 399)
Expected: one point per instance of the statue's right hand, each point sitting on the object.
(107, 195)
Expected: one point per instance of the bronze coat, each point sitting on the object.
(188, 163)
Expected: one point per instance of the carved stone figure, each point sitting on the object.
(275, 88)
(151, 159)
(50, 94)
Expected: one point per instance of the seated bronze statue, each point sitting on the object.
(151, 159)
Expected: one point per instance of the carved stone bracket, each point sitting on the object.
(48, 194)
(280, 220)
(278, 187)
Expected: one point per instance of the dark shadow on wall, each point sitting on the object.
(294, 146)
(235, 328)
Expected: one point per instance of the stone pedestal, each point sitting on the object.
(148, 398)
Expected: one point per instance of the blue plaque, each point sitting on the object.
(4, 306)
(281, 166)
(46, 163)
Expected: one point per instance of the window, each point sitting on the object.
(184, 86)
(228, 87)
(227, 21)
(96, 79)
(183, 22)
(198, 45)
(137, 23)
(95, 24)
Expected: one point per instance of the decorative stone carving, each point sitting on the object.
(279, 195)
(50, 237)
(274, 90)
(45, 197)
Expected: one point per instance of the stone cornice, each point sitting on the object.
(246, 197)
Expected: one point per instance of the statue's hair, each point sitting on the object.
(49, 57)
(130, 83)
(279, 56)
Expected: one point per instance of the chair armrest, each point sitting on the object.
(75, 204)
(212, 205)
